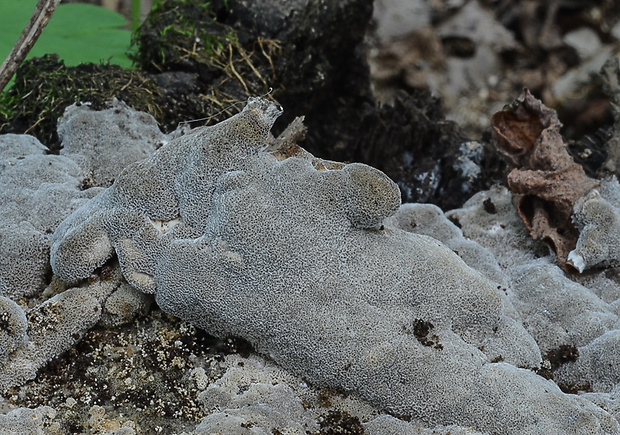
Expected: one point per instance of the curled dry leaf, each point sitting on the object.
(545, 176)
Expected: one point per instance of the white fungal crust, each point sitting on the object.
(13, 326)
(124, 305)
(596, 365)
(23, 260)
(369, 194)
(296, 261)
(27, 421)
(37, 191)
(173, 186)
(91, 138)
(54, 327)
(597, 216)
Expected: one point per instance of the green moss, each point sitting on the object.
(177, 34)
(45, 86)
(8, 104)
(188, 35)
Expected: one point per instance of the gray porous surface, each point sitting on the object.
(100, 156)
(37, 191)
(447, 319)
(55, 326)
(14, 326)
(597, 215)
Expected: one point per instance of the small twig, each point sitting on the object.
(30, 34)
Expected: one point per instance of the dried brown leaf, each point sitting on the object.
(545, 176)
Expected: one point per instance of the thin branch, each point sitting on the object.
(30, 34)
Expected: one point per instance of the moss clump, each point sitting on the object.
(189, 36)
(178, 34)
(44, 87)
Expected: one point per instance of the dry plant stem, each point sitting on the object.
(30, 34)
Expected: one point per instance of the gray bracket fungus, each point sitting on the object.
(37, 191)
(370, 196)
(294, 259)
(174, 185)
(91, 139)
(557, 309)
(509, 343)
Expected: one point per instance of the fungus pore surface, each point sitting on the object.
(304, 264)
